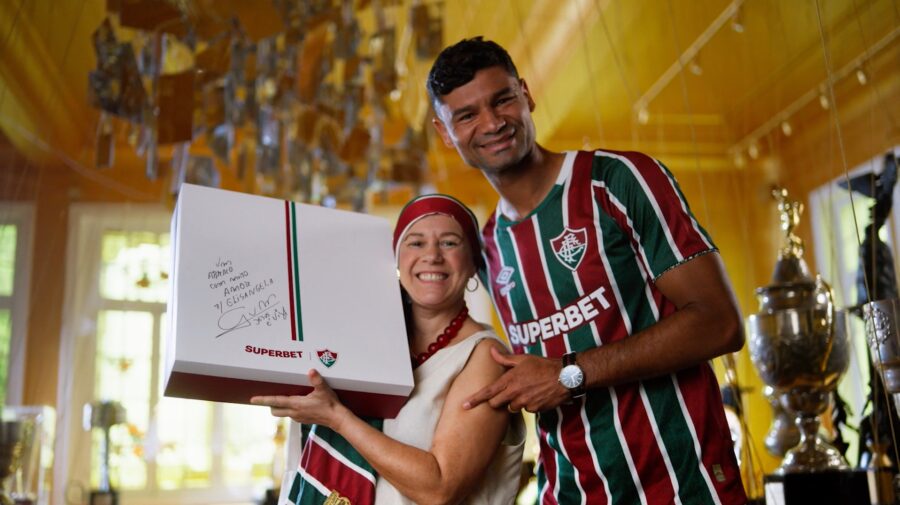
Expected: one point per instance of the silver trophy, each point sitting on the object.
(12, 436)
(883, 336)
(783, 433)
(104, 415)
(798, 343)
(26, 441)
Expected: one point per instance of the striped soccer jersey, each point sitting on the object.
(578, 273)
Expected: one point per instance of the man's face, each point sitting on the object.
(488, 120)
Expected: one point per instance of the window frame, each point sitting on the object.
(87, 223)
(825, 206)
(22, 216)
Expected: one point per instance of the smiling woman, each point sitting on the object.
(434, 261)
(417, 456)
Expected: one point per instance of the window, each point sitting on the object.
(837, 260)
(7, 273)
(15, 254)
(168, 449)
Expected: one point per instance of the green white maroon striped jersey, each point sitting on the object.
(578, 273)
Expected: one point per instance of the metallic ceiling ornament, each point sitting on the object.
(293, 102)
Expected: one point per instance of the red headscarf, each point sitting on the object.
(427, 205)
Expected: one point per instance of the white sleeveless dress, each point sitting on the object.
(417, 421)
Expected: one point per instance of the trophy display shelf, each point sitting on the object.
(799, 344)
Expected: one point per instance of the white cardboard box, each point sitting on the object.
(264, 290)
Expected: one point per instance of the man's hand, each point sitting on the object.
(531, 382)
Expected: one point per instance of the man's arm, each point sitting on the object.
(707, 324)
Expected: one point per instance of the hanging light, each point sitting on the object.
(786, 128)
(824, 101)
(694, 67)
(753, 151)
(643, 115)
(737, 21)
(861, 76)
(739, 160)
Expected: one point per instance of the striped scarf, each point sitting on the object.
(331, 471)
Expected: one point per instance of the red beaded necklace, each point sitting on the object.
(444, 338)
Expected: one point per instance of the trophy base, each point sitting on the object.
(832, 487)
(270, 498)
(808, 458)
(104, 498)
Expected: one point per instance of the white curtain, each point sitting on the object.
(87, 222)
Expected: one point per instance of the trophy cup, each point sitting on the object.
(104, 415)
(783, 434)
(798, 343)
(26, 441)
(12, 434)
(882, 335)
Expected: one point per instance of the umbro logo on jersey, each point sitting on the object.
(569, 247)
(504, 279)
(504, 276)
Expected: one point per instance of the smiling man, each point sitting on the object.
(612, 295)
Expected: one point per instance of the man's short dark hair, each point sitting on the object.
(457, 65)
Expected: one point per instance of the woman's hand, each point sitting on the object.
(321, 406)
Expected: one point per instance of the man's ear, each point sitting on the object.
(527, 93)
(442, 131)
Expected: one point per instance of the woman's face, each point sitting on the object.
(435, 262)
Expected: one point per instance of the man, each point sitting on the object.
(611, 294)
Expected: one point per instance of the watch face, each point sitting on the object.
(571, 376)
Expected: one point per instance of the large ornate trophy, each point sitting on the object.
(798, 343)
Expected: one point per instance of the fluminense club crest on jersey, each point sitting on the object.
(327, 357)
(569, 247)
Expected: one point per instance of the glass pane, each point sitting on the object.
(185, 434)
(124, 357)
(185, 454)
(850, 242)
(5, 332)
(7, 259)
(135, 266)
(250, 445)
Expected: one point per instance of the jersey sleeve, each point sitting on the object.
(643, 197)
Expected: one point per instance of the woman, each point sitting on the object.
(434, 451)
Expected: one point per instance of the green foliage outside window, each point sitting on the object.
(7, 258)
(5, 332)
(8, 234)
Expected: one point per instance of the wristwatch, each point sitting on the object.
(571, 376)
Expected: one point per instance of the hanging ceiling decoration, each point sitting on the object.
(297, 99)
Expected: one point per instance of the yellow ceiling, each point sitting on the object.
(670, 77)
